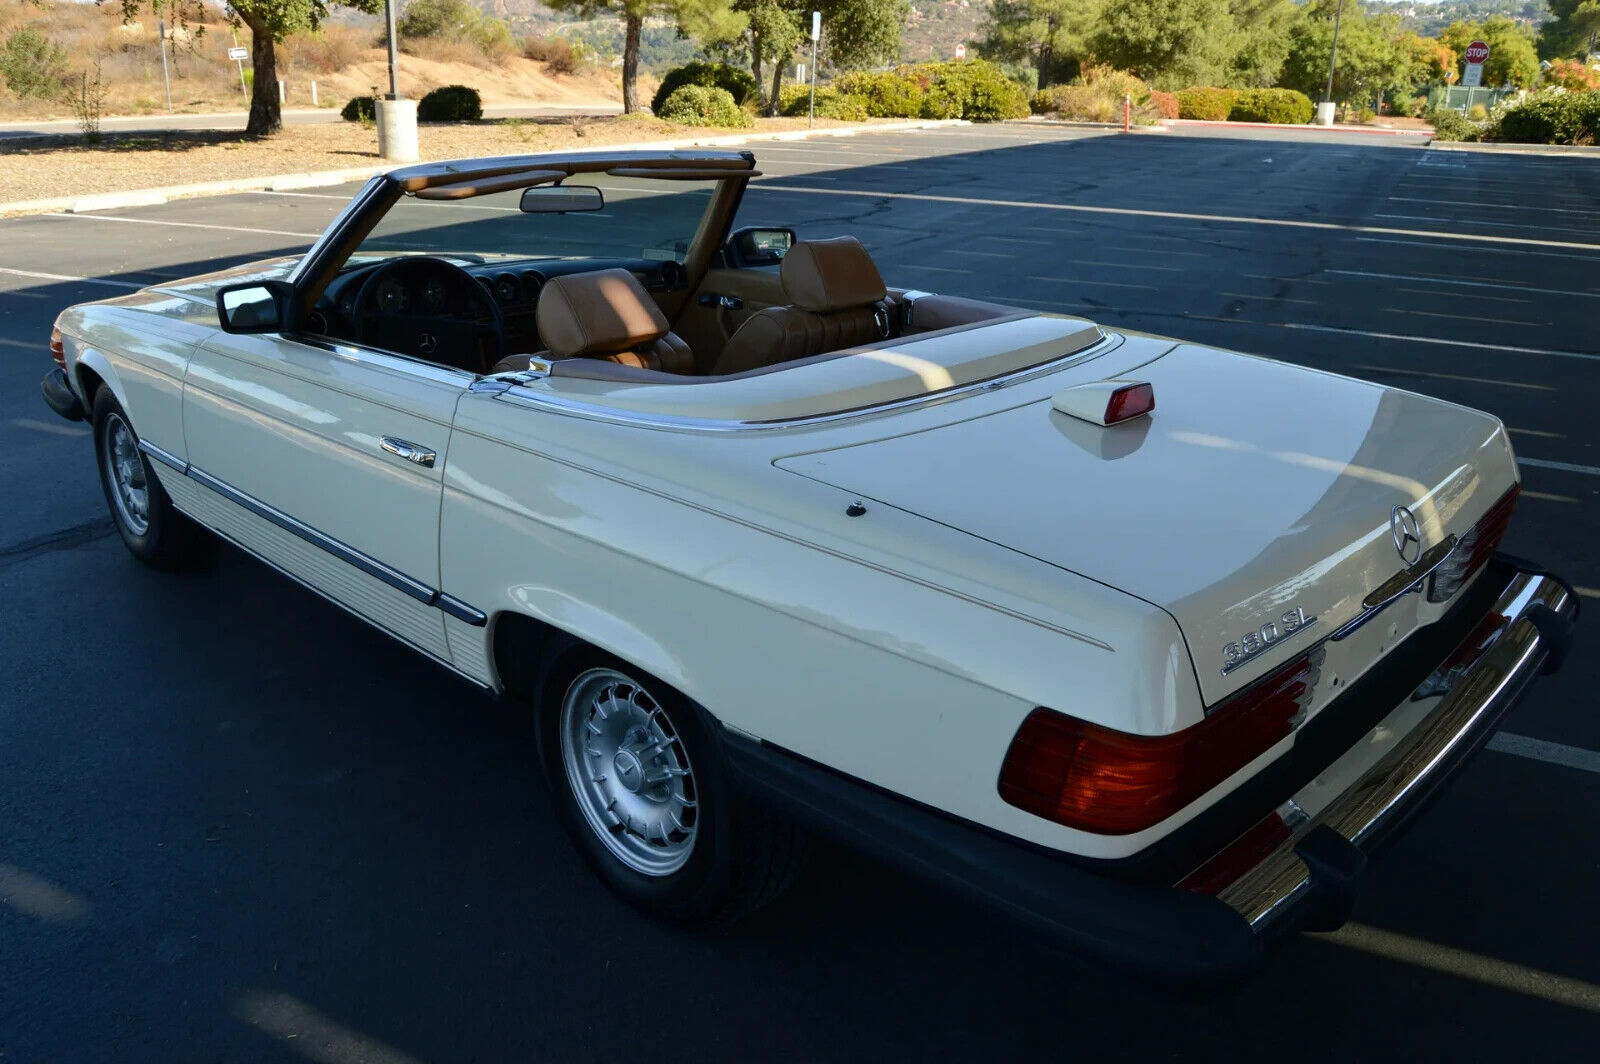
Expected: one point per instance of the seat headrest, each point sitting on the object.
(597, 313)
(828, 275)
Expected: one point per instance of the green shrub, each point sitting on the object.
(974, 89)
(1115, 84)
(1279, 106)
(1451, 125)
(360, 109)
(794, 101)
(1164, 103)
(699, 105)
(33, 65)
(889, 94)
(1552, 116)
(1478, 113)
(1205, 104)
(730, 79)
(450, 103)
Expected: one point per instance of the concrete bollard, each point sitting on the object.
(397, 130)
(1325, 113)
(314, 95)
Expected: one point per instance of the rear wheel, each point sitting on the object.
(151, 527)
(643, 787)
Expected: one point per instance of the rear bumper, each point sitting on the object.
(1308, 880)
(58, 395)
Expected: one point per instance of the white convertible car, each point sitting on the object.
(1145, 642)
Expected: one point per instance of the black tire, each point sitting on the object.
(743, 855)
(159, 536)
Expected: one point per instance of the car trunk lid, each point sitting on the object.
(1256, 489)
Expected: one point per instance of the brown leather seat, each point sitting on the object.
(607, 315)
(837, 302)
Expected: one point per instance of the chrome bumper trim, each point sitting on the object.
(1384, 793)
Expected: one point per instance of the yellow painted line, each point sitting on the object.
(1464, 964)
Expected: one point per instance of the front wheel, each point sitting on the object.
(643, 788)
(151, 527)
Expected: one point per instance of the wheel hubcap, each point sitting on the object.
(130, 490)
(629, 772)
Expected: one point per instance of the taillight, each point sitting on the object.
(1474, 549)
(1112, 783)
(1130, 402)
(57, 350)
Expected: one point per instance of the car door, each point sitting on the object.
(325, 459)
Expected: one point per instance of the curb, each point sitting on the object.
(150, 197)
(1580, 150)
(1285, 126)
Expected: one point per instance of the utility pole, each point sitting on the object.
(1325, 108)
(397, 116)
(394, 72)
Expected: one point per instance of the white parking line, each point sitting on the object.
(35, 275)
(1543, 750)
(1465, 284)
(1479, 251)
(1453, 377)
(1497, 206)
(1481, 221)
(1133, 212)
(1588, 592)
(63, 429)
(1439, 340)
(180, 225)
(1565, 467)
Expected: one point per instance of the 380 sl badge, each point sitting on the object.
(1264, 638)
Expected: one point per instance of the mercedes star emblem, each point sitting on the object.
(1407, 534)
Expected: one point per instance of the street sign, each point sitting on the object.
(1477, 52)
(816, 25)
(238, 54)
(961, 51)
(1476, 55)
(1474, 76)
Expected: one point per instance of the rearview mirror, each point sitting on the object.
(255, 307)
(561, 199)
(759, 247)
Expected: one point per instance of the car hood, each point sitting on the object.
(1254, 489)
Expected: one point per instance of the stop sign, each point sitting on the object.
(1477, 52)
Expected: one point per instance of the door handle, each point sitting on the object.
(407, 450)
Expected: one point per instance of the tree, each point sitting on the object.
(707, 21)
(1169, 43)
(269, 21)
(1040, 33)
(1512, 57)
(1371, 63)
(1261, 42)
(1572, 32)
(854, 33)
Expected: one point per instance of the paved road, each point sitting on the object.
(236, 825)
(291, 117)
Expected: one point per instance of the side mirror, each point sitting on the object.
(254, 307)
(759, 247)
(561, 199)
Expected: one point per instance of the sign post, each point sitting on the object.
(1476, 55)
(237, 54)
(161, 28)
(816, 32)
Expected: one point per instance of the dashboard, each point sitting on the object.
(513, 284)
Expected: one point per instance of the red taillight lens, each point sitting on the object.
(57, 350)
(1112, 783)
(1130, 402)
(1475, 548)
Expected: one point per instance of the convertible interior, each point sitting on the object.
(540, 274)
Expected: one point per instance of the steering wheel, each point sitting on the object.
(390, 313)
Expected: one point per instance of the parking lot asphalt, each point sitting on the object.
(237, 825)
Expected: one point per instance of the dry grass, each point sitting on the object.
(326, 51)
(445, 50)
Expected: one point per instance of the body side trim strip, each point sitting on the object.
(487, 689)
(424, 594)
(166, 458)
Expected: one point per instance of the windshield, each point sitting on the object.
(642, 218)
